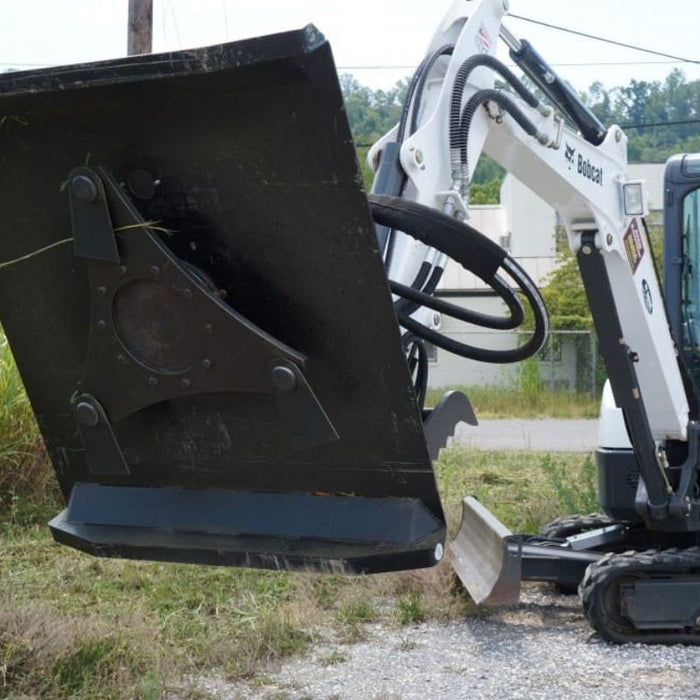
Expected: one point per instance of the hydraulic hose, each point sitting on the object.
(533, 345)
(460, 82)
(442, 51)
(504, 323)
(456, 134)
(414, 94)
(470, 109)
(417, 358)
(411, 106)
(476, 253)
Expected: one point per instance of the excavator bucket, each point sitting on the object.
(191, 285)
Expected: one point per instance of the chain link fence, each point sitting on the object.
(570, 361)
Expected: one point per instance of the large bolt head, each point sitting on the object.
(87, 414)
(83, 188)
(283, 378)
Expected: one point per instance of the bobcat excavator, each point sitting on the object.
(223, 336)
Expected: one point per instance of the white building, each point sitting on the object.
(524, 224)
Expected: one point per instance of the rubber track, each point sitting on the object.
(600, 576)
(567, 525)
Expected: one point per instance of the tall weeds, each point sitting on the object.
(527, 400)
(26, 479)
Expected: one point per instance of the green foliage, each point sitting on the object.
(358, 610)
(565, 298)
(511, 401)
(486, 193)
(27, 484)
(371, 113)
(530, 381)
(487, 171)
(579, 496)
(524, 490)
(657, 102)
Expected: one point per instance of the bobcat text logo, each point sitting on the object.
(584, 166)
(589, 171)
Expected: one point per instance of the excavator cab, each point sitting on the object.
(192, 289)
(682, 256)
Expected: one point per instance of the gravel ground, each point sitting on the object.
(541, 648)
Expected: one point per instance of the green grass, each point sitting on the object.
(73, 626)
(514, 402)
(26, 485)
(524, 489)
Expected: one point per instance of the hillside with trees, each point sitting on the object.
(660, 118)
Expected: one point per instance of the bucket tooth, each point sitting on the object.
(488, 567)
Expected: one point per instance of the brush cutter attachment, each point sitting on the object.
(192, 289)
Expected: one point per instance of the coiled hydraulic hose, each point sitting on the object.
(504, 323)
(476, 253)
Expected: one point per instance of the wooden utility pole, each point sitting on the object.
(140, 27)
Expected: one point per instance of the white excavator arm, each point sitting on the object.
(454, 114)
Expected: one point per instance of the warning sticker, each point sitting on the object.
(483, 39)
(634, 244)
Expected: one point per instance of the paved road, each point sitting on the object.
(546, 435)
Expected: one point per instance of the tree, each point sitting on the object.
(565, 296)
(486, 193)
(640, 104)
(371, 113)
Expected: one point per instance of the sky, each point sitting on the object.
(386, 33)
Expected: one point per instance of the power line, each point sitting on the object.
(615, 63)
(169, 6)
(647, 125)
(607, 41)
(674, 58)
(554, 65)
